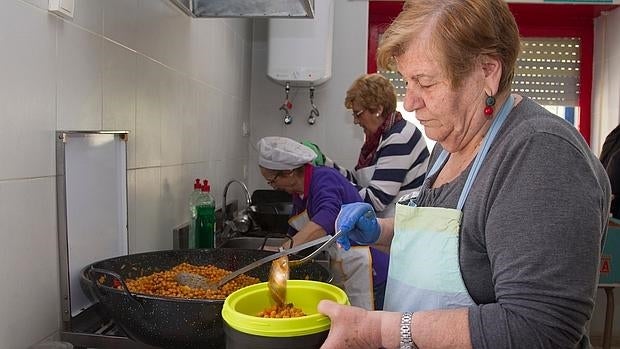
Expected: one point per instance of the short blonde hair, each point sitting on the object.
(372, 91)
(461, 32)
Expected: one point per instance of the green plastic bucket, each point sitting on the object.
(244, 329)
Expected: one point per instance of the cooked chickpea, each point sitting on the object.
(284, 311)
(164, 284)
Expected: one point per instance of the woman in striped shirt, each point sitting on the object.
(393, 159)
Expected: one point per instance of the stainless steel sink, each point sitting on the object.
(253, 243)
(257, 243)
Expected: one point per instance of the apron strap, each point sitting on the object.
(438, 164)
(487, 141)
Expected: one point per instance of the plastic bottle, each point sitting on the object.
(193, 199)
(205, 218)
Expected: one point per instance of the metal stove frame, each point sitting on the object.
(90, 330)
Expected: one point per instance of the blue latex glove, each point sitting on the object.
(358, 223)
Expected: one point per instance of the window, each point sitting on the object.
(548, 71)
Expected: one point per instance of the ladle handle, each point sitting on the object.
(275, 256)
(331, 240)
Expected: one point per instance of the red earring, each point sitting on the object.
(490, 102)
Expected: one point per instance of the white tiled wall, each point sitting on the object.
(179, 85)
(28, 261)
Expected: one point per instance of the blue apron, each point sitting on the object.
(424, 271)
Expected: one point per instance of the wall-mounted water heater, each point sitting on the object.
(300, 50)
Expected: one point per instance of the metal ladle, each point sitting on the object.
(280, 270)
(198, 281)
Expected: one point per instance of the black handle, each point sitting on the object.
(98, 286)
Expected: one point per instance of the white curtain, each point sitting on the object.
(606, 84)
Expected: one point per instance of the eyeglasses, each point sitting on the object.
(273, 179)
(356, 114)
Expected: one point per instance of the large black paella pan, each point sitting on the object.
(173, 322)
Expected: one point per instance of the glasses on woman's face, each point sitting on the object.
(356, 114)
(271, 180)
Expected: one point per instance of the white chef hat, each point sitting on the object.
(281, 153)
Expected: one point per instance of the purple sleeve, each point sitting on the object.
(329, 190)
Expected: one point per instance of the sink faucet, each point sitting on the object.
(242, 222)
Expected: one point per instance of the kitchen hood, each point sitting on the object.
(247, 8)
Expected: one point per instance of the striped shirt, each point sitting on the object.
(400, 166)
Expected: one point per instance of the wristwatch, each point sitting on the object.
(406, 342)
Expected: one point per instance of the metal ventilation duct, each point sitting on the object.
(247, 8)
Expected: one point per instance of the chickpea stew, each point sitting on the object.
(282, 311)
(163, 283)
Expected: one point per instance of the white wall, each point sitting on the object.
(334, 131)
(180, 85)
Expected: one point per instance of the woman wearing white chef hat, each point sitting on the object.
(318, 192)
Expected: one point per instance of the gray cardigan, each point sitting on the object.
(532, 232)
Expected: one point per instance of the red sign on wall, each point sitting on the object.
(605, 264)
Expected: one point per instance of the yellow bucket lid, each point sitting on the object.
(241, 308)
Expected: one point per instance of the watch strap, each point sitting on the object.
(406, 341)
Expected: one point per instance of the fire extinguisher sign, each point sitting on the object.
(605, 264)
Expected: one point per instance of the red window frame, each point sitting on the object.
(534, 20)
